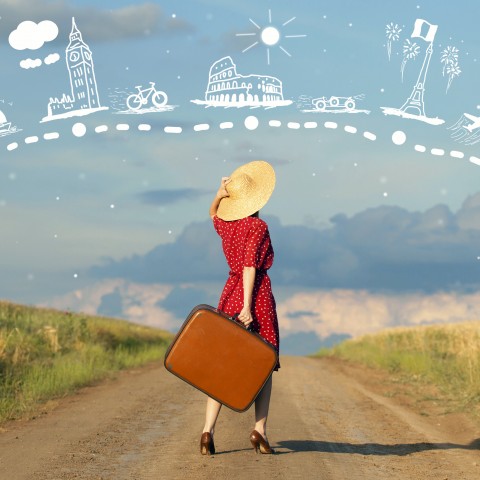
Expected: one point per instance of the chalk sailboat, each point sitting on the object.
(5, 127)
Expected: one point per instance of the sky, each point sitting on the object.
(375, 217)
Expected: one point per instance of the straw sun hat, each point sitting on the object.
(249, 189)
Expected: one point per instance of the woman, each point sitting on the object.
(247, 292)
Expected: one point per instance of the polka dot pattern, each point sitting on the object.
(246, 243)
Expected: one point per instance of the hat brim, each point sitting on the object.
(263, 174)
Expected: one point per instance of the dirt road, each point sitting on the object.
(328, 421)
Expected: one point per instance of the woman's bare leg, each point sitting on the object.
(211, 415)
(262, 404)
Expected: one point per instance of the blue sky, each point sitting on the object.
(123, 210)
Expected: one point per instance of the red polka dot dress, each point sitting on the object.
(246, 243)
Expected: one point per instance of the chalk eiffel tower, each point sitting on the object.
(415, 102)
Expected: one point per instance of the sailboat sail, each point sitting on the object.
(5, 127)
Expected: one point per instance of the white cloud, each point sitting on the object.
(32, 36)
(139, 303)
(325, 312)
(30, 63)
(52, 58)
(358, 312)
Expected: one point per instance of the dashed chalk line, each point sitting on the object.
(275, 123)
(51, 136)
(437, 151)
(173, 129)
(250, 123)
(201, 127)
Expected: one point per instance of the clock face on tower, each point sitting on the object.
(88, 56)
(74, 56)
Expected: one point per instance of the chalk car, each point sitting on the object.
(325, 104)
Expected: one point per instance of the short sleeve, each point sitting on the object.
(256, 246)
(218, 225)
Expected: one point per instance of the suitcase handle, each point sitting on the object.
(248, 327)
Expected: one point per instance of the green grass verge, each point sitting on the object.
(46, 353)
(447, 356)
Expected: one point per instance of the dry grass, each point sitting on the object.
(45, 353)
(445, 355)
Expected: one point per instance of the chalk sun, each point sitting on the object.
(269, 35)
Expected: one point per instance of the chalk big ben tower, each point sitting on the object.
(81, 71)
(83, 97)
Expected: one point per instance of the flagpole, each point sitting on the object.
(416, 102)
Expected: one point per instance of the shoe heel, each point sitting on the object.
(207, 447)
(259, 443)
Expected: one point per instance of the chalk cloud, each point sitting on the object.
(30, 63)
(32, 36)
(52, 58)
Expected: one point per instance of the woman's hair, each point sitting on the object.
(256, 214)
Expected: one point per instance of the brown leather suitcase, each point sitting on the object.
(220, 357)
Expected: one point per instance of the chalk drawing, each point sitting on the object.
(466, 130)
(227, 88)
(6, 127)
(83, 98)
(251, 123)
(32, 36)
(269, 36)
(451, 67)
(414, 107)
(144, 100)
(410, 50)
(332, 104)
(393, 34)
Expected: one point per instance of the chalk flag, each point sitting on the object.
(428, 30)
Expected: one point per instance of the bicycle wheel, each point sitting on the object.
(134, 102)
(159, 99)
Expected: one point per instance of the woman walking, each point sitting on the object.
(247, 292)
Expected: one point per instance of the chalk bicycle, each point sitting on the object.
(138, 100)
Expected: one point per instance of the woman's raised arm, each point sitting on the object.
(221, 193)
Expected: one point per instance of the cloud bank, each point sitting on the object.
(380, 249)
(326, 316)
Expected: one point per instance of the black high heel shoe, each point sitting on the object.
(259, 443)
(207, 447)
